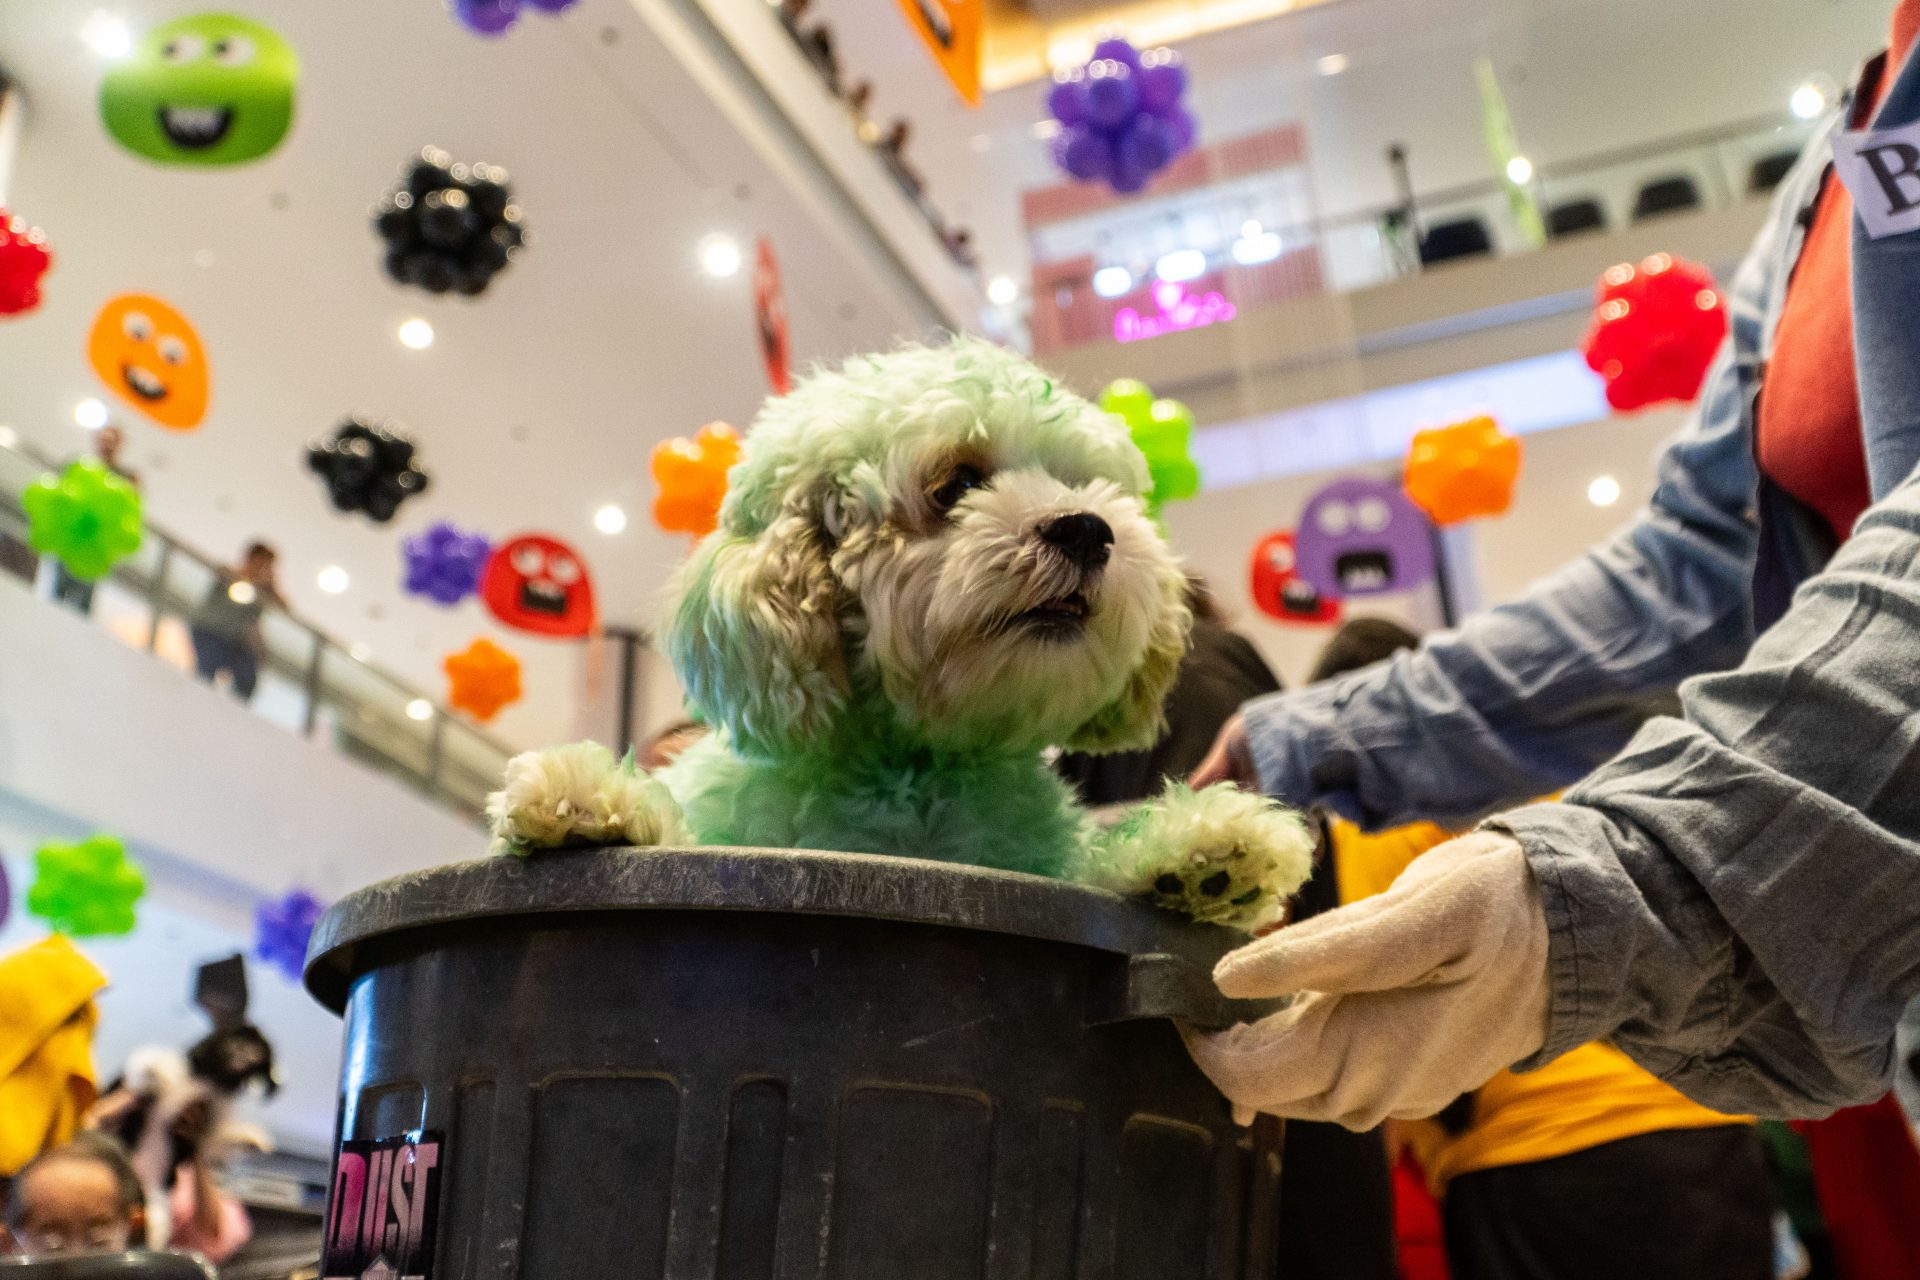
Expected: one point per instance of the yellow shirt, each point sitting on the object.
(1591, 1095)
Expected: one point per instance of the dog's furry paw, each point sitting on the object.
(580, 795)
(1220, 856)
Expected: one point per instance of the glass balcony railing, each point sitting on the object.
(1233, 237)
(309, 683)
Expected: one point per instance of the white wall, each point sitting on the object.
(96, 733)
(221, 808)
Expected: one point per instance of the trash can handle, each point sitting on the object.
(1159, 985)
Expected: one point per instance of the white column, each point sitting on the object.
(13, 118)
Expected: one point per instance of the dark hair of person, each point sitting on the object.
(1361, 643)
(1200, 600)
(86, 1145)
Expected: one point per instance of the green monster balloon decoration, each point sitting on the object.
(89, 517)
(85, 890)
(1162, 430)
(210, 88)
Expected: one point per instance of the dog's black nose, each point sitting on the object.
(1084, 538)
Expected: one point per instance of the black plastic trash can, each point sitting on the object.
(748, 1065)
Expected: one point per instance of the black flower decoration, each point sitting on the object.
(367, 468)
(449, 227)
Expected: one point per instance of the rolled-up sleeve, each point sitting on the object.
(1734, 899)
(1528, 696)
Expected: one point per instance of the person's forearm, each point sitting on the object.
(1735, 899)
(1521, 700)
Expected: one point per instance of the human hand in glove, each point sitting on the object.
(1403, 1001)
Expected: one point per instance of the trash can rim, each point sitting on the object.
(782, 881)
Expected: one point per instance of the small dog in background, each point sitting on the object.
(931, 565)
(171, 1109)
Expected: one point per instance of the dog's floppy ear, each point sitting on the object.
(1134, 720)
(756, 634)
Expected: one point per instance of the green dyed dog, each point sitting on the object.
(931, 566)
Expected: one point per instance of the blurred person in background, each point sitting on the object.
(79, 1197)
(47, 1020)
(226, 627)
(1588, 1167)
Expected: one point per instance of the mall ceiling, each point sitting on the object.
(535, 405)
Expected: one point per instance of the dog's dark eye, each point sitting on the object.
(962, 481)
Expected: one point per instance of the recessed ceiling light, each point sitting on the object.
(204, 258)
(360, 652)
(1261, 246)
(1808, 101)
(107, 35)
(1333, 64)
(1181, 265)
(419, 709)
(90, 413)
(333, 580)
(610, 519)
(1043, 130)
(1519, 171)
(1002, 291)
(416, 334)
(1111, 282)
(8, 438)
(719, 256)
(1604, 491)
(982, 142)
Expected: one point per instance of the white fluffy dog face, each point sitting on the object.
(940, 542)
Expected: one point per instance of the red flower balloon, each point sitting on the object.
(1656, 329)
(24, 258)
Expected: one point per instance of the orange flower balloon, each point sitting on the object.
(692, 475)
(481, 679)
(1459, 472)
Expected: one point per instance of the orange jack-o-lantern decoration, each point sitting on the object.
(1463, 471)
(481, 679)
(692, 475)
(149, 356)
(1278, 589)
(539, 584)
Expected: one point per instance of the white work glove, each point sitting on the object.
(1409, 998)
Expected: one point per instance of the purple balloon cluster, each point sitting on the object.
(282, 928)
(493, 17)
(444, 563)
(1120, 116)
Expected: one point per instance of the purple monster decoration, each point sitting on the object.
(1121, 120)
(495, 17)
(1362, 537)
(443, 564)
(282, 928)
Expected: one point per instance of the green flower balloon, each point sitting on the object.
(209, 88)
(85, 890)
(89, 517)
(1163, 430)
